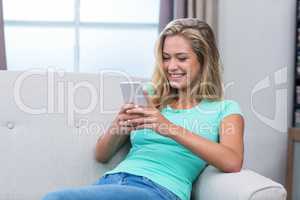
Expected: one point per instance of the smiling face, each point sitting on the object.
(186, 60)
(180, 62)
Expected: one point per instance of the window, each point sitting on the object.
(81, 35)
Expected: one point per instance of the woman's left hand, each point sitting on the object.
(150, 118)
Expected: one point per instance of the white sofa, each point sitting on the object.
(49, 125)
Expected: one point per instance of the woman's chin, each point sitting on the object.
(176, 85)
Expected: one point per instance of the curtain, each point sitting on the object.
(206, 10)
(2, 41)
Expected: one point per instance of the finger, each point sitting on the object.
(143, 126)
(141, 111)
(125, 129)
(138, 110)
(128, 116)
(143, 120)
(125, 124)
(126, 107)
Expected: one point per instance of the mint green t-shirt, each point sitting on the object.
(167, 162)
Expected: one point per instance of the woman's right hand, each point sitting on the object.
(121, 121)
(109, 142)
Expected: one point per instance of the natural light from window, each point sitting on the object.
(81, 35)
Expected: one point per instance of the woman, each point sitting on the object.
(186, 125)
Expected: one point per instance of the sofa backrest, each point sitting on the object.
(49, 125)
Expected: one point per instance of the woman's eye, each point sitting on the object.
(182, 59)
(165, 58)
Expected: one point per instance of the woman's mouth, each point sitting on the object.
(176, 75)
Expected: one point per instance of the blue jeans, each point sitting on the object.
(117, 186)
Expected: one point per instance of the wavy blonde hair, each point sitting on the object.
(209, 84)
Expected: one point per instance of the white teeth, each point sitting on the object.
(176, 75)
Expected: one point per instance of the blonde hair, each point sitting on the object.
(209, 84)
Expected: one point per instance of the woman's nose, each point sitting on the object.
(172, 64)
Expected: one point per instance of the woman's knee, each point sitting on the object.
(57, 195)
(51, 196)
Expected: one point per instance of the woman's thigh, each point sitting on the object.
(103, 192)
(123, 178)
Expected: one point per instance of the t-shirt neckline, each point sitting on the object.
(169, 108)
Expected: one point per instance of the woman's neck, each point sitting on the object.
(183, 103)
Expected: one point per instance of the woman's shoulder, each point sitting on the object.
(225, 106)
(222, 103)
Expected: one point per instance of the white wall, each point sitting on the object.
(256, 40)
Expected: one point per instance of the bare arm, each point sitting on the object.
(109, 143)
(116, 135)
(226, 155)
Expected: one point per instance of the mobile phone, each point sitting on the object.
(132, 92)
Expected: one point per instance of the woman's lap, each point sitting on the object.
(102, 192)
(118, 186)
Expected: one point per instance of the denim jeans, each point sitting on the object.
(117, 186)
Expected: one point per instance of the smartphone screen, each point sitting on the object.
(132, 92)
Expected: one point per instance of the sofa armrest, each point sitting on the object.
(213, 184)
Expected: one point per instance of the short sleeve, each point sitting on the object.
(149, 88)
(230, 107)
